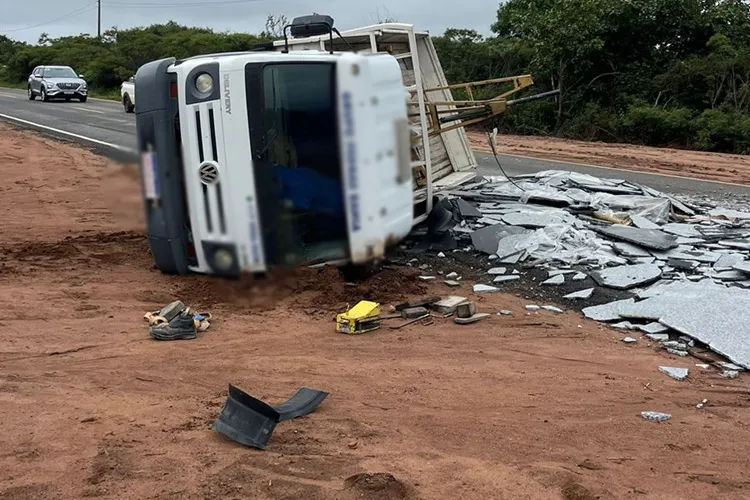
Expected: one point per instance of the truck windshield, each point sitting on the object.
(59, 73)
(296, 161)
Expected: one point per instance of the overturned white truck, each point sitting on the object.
(438, 160)
(311, 149)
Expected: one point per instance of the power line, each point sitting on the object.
(188, 4)
(61, 18)
(122, 5)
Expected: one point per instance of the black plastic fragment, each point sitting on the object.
(440, 221)
(247, 420)
(250, 421)
(304, 402)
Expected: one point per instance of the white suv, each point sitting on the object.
(57, 82)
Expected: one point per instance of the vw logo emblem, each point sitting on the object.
(208, 173)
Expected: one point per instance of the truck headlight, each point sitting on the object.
(204, 83)
(223, 259)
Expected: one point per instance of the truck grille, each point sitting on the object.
(209, 171)
(68, 86)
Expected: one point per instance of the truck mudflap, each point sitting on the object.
(251, 422)
(304, 402)
(161, 166)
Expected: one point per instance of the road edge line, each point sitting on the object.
(115, 101)
(58, 131)
(618, 169)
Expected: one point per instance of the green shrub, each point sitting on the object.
(720, 130)
(654, 126)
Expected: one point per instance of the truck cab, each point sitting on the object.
(261, 159)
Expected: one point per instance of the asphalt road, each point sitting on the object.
(104, 126)
(98, 123)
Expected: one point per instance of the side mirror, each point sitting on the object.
(80, 75)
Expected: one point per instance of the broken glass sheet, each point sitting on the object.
(741, 244)
(497, 270)
(684, 230)
(536, 220)
(719, 318)
(629, 250)
(654, 328)
(563, 243)
(649, 238)
(607, 312)
(743, 267)
(504, 279)
(677, 204)
(664, 298)
(489, 220)
(728, 213)
(681, 240)
(467, 209)
(514, 258)
(709, 257)
(583, 294)
(555, 272)
(642, 222)
(686, 265)
(728, 275)
(486, 239)
(675, 373)
(626, 277)
(511, 244)
(727, 261)
(558, 279)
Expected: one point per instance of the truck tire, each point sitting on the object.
(127, 104)
(32, 96)
(83, 99)
(44, 95)
(354, 273)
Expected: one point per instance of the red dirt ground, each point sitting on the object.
(734, 169)
(536, 406)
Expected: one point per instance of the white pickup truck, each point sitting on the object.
(127, 95)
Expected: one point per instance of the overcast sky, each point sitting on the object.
(27, 20)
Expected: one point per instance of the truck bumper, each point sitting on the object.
(157, 130)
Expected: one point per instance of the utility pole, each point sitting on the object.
(99, 19)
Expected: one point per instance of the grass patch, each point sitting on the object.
(109, 94)
(12, 85)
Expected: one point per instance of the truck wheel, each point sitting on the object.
(127, 104)
(354, 273)
(32, 96)
(44, 95)
(83, 99)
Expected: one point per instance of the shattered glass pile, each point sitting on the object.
(624, 236)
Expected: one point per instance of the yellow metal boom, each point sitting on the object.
(442, 115)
